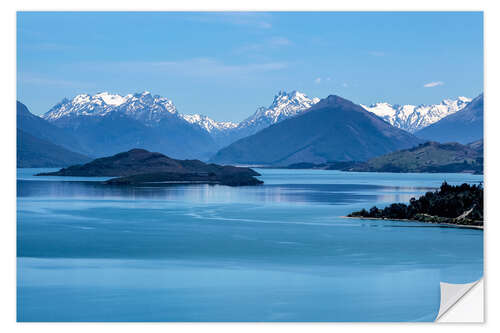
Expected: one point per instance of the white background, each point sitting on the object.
(8, 157)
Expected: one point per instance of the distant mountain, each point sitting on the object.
(283, 106)
(333, 129)
(463, 126)
(153, 122)
(477, 146)
(222, 132)
(41, 144)
(42, 129)
(208, 124)
(33, 152)
(412, 118)
(428, 157)
(105, 124)
(141, 167)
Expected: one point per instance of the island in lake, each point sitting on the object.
(139, 166)
(460, 205)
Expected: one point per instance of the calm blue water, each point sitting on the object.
(277, 252)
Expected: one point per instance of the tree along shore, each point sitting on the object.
(460, 205)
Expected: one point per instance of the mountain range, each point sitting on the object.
(334, 129)
(153, 111)
(150, 110)
(411, 118)
(464, 126)
(103, 124)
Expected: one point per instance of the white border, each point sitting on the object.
(7, 142)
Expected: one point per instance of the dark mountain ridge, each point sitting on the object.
(334, 129)
(42, 129)
(43, 145)
(116, 132)
(34, 152)
(105, 126)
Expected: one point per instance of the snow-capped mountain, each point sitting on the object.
(106, 123)
(208, 124)
(144, 107)
(413, 118)
(109, 123)
(150, 109)
(284, 105)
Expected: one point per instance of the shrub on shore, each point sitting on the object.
(460, 204)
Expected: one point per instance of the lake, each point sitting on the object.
(276, 252)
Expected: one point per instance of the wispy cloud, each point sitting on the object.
(376, 53)
(271, 43)
(433, 84)
(248, 19)
(47, 47)
(319, 80)
(211, 67)
(197, 67)
(45, 81)
(280, 41)
(206, 69)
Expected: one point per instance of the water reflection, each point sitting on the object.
(201, 193)
(94, 252)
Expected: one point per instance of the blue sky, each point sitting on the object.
(225, 65)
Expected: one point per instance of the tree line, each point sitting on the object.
(461, 204)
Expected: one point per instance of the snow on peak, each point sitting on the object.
(464, 99)
(111, 99)
(207, 123)
(412, 118)
(81, 99)
(284, 105)
(152, 109)
(140, 106)
(147, 108)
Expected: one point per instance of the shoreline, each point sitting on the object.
(408, 220)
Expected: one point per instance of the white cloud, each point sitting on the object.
(280, 41)
(196, 67)
(25, 78)
(433, 84)
(254, 20)
(207, 67)
(345, 85)
(319, 80)
(377, 53)
(272, 43)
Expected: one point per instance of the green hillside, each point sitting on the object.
(428, 157)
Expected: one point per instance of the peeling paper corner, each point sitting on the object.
(452, 296)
